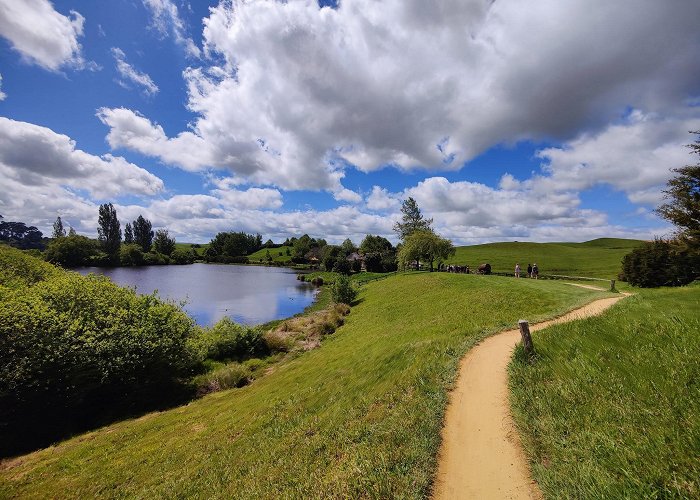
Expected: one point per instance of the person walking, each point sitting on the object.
(517, 270)
(535, 271)
(529, 270)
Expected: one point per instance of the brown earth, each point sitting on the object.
(481, 456)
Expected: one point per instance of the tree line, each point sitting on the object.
(140, 245)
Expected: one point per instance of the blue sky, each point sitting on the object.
(555, 121)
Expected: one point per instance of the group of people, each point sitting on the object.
(532, 271)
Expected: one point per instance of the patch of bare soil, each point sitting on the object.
(481, 456)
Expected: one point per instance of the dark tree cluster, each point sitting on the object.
(379, 254)
(677, 261)
(660, 263)
(232, 247)
(140, 246)
(19, 235)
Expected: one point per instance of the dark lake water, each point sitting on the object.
(247, 294)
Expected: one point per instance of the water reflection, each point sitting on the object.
(247, 294)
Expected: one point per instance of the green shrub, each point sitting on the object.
(72, 345)
(71, 251)
(155, 259)
(182, 256)
(660, 263)
(18, 269)
(227, 340)
(342, 291)
(130, 255)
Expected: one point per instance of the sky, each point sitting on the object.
(505, 120)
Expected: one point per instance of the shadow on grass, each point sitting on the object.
(31, 425)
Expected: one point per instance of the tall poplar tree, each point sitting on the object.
(128, 234)
(58, 229)
(143, 233)
(109, 232)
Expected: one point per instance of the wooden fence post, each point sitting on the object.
(612, 286)
(527, 339)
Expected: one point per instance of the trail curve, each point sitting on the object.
(481, 456)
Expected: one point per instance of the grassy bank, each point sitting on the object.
(611, 406)
(358, 417)
(601, 258)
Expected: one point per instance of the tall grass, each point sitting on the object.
(358, 417)
(611, 406)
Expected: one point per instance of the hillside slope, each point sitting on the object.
(597, 258)
(360, 416)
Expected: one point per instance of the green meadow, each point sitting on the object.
(610, 407)
(277, 254)
(599, 258)
(359, 416)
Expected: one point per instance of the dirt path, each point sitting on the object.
(481, 456)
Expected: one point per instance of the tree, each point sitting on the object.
(379, 253)
(71, 251)
(426, 246)
(128, 234)
(109, 232)
(411, 220)
(143, 233)
(71, 231)
(660, 263)
(163, 243)
(347, 247)
(343, 292)
(683, 201)
(58, 230)
(19, 235)
(300, 248)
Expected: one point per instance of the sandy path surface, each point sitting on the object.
(481, 456)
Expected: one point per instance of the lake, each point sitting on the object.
(247, 294)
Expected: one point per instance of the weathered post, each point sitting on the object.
(527, 339)
(612, 286)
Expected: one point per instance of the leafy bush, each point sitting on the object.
(130, 255)
(227, 340)
(73, 345)
(660, 263)
(182, 256)
(155, 259)
(71, 251)
(18, 269)
(342, 291)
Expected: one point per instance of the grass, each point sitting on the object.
(261, 254)
(357, 278)
(200, 250)
(358, 417)
(611, 406)
(601, 258)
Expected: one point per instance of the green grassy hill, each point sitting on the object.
(611, 406)
(358, 417)
(599, 258)
(277, 254)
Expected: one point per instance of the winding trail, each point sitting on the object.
(481, 456)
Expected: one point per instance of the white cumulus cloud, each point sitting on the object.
(42, 35)
(37, 156)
